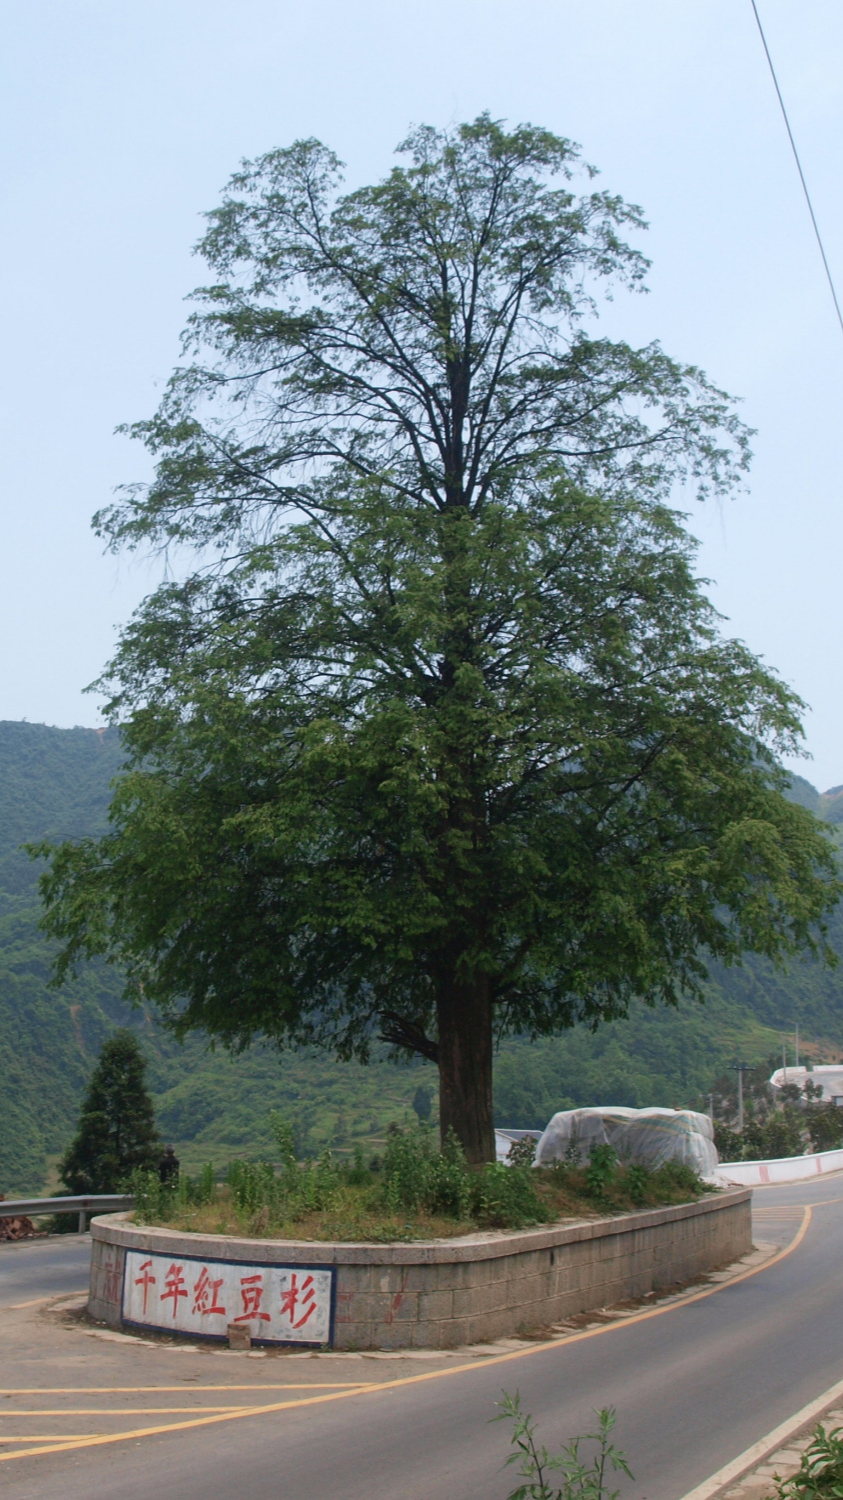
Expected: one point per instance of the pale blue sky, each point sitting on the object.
(120, 124)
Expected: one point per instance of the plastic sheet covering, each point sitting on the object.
(648, 1136)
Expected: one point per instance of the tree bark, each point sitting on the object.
(464, 1016)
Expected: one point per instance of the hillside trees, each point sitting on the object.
(438, 739)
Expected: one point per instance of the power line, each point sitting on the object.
(799, 168)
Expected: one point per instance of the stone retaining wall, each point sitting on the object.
(442, 1293)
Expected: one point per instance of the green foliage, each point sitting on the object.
(601, 1170)
(522, 1153)
(607, 1185)
(155, 1199)
(415, 1191)
(820, 1474)
(53, 783)
(582, 1479)
(210, 1103)
(506, 1197)
(116, 1135)
(449, 741)
(789, 1128)
(637, 1180)
(416, 1176)
(422, 1102)
(824, 1123)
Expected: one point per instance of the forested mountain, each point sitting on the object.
(54, 783)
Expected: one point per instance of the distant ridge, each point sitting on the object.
(827, 805)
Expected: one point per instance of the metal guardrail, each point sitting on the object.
(85, 1205)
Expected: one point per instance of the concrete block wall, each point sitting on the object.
(442, 1293)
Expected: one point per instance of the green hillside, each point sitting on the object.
(55, 783)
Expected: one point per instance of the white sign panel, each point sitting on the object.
(280, 1304)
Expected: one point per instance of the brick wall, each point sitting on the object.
(438, 1294)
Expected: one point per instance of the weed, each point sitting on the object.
(507, 1197)
(637, 1179)
(417, 1191)
(522, 1153)
(581, 1480)
(820, 1474)
(600, 1173)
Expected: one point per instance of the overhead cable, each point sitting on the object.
(799, 167)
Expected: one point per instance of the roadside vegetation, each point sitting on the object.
(413, 1191)
(820, 1474)
(584, 1476)
(790, 1123)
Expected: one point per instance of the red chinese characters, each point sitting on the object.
(174, 1286)
(206, 1294)
(297, 1298)
(146, 1280)
(251, 1290)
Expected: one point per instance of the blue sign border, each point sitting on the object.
(220, 1338)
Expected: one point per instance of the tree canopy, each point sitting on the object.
(438, 738)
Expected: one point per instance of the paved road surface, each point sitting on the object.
(43, 1268)
(693, 1386)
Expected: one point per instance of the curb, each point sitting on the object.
(755, 1455)
(778, 1169)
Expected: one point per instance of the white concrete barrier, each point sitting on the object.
(783, 1169)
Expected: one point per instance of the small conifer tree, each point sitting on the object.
(116, 1132)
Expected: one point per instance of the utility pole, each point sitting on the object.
(740, 1069)
(711, 1108)
(797, 1044)
(784, 1062)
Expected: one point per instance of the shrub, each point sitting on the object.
(522, 1153)
(506, 1198)
(825, 1126)
(782, 1133)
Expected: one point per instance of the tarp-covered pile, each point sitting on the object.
(648, 1136)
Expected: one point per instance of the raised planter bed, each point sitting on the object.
(426, 1294)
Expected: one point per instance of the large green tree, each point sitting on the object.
(438, 738)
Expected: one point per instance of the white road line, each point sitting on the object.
(765, 1446)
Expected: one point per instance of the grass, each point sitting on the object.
(414, 1192)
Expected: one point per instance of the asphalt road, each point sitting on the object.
(693, 1386)
(43, 1268)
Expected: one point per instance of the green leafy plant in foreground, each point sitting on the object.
(820, 1474)
(582, 1479)
(600, 1173)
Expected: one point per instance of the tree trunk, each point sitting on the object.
(464, 1015)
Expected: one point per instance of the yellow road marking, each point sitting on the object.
(72, 1445)
(118, 1411)
(786, 1214)
(50, 1437)
(137, 1390)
